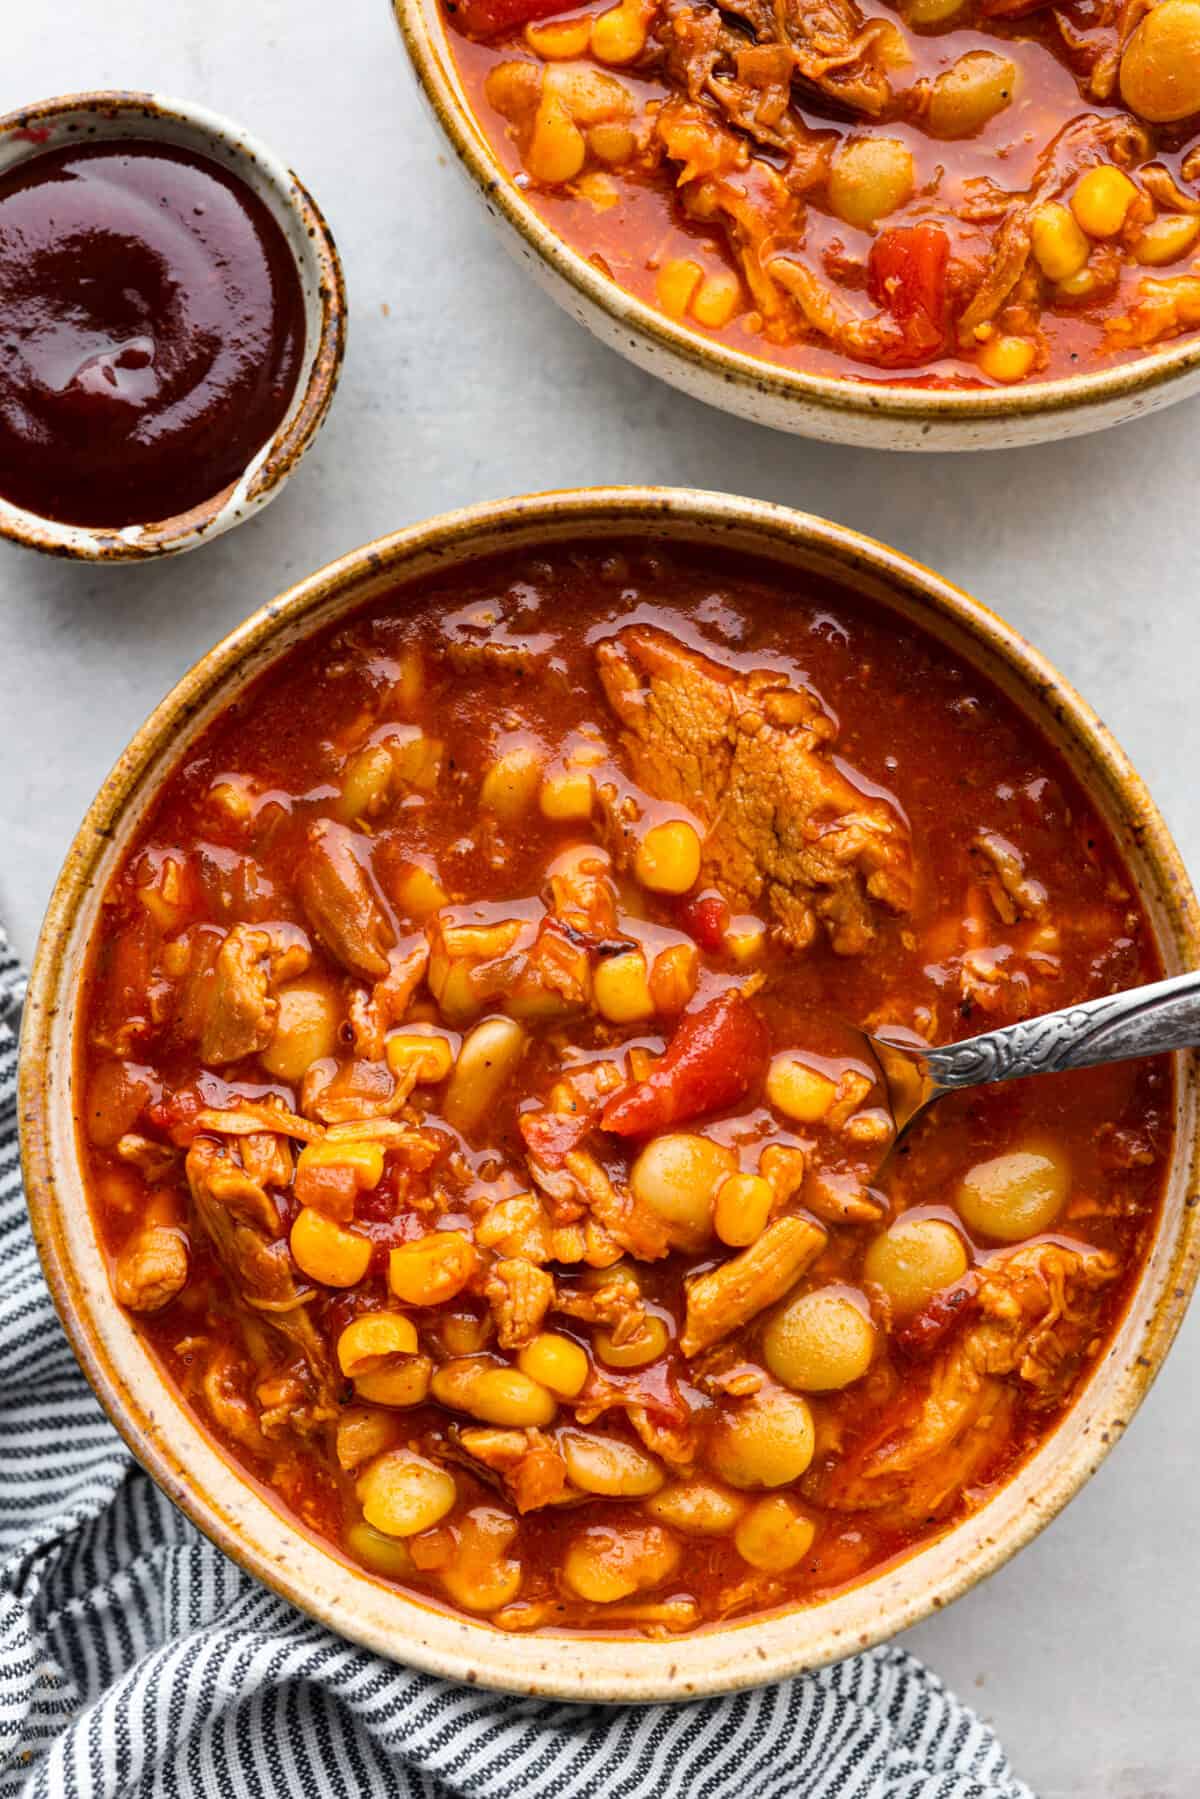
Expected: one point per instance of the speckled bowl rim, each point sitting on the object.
(179, 1453)
(1076, 395)
(325, 348)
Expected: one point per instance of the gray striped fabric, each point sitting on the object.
(134, 1659)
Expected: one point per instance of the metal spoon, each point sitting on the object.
(1144, 1021)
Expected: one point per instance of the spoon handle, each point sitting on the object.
(1140, 1022)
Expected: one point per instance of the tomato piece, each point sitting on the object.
(906, 273)
(489, 18)
(925, 1332)
(551, 1136)
(705, 918)
(715, 1057)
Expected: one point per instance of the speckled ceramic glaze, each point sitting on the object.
(166, 1436)
(871, 414)
(91, 118)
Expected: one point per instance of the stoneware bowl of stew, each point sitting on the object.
(926, 232)
(176, 317)
(445, 1145)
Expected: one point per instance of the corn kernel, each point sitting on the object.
(370, 1338)
(1059, 245)
(402, 1493)
(1078, 286)
(433, 1269)
(612, 143)
(621, 990)
(645, 1346)
(560, 40)
(363, 1157)
(1166, 239)
(619, 35)
(418, 892)
(673, 977)
(716, 299)
(366, 784)
(746, 939)
(404, 1383)
(567, 795)
(430, 1053)
(798, 1091)
(556, 149)
(774, 1534)
(326, 1252)
(743, 1205)
(668, 857)
(555, 1362)
(511, 783)
(1007, 358)
(676, 282)
(385, 1555)
(1101, 200)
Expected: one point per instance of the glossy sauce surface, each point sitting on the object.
(894, 192)
(151, 331)
(474, 1122)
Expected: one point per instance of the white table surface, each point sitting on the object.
(462, 382)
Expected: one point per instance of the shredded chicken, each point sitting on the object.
(751, 755)
(722, 1301)
(242, 1008)
(340, 901)
(243, 1223)
(527, 1463)
(520, 1295)
(1026, 1323)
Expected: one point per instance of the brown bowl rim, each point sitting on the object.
(830, 394)
(598, 1668)
(278, 457)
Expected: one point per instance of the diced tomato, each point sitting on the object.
(705, 918)
(929, 1327)
(715, 1057)
(906, 273)
(551, 1136)
(491, 18)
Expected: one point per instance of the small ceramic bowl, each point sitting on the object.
(91, 118)
(871, 414)
(167, 1437)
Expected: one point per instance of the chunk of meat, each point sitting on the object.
(752, 755)
(340, 901)
(520, 1294)
(1024, 1323)
(617, 1304)
(653, 1405)
(374, 1011)
(526, 1462)
(243, 1223)
(152, 1268)
(718, 1053)
(242, 1010)
(722, 1301)
(629, 1221)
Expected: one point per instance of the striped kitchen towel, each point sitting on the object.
(135, 1659)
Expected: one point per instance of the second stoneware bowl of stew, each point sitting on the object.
(441, 1135)
(163, 380)
(916, 232)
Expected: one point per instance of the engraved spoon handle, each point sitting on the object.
(1141, 1022)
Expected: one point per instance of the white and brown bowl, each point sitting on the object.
(167, 1437)
(91, 118)
(835, 409)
